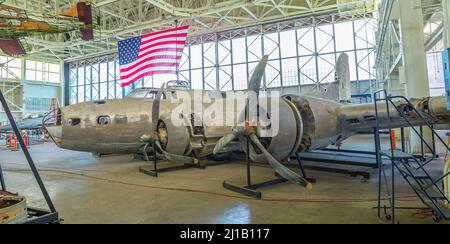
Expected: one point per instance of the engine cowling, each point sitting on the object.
(313, 111)
(287, 140)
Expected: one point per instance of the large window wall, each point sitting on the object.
(28, 85)
(11, 68)
(42, 71)
(301, 53)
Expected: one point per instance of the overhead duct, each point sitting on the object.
(11, 46)
(82, 11)
(352, 7)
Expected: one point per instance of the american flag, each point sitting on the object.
(153, 53)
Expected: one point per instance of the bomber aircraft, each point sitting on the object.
(305, 122)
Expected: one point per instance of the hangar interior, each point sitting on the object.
(395, 46)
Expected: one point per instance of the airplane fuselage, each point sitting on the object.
(306, 122)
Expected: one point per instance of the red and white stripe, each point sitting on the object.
(160, 53)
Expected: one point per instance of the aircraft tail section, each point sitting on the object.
(362, 117)
(343, 78)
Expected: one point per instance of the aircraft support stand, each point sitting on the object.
(154, 171)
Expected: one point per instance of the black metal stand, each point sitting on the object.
(351, 173)
(40, 216)
(251, 190)
(302, 168)
(324, 156)
(358, 163)
(154, 171)
(52, 215)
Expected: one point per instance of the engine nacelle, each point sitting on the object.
(289, 134)
(200, 141)
(314, 111)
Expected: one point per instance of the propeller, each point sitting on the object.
(254, 86)
(154, 137)
(240, 132)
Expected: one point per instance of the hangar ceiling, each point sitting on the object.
(121, 19)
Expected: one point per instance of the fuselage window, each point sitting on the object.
(103, 120)
(120, 119)
(73, 121)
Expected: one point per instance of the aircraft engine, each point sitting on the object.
(199, 139)
(289, 134)
(174, 139)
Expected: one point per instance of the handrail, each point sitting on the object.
(425, 120)
(388, 115)
(415, 130)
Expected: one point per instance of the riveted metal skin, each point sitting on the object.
(306, 123)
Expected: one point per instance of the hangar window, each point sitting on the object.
(41, 71)
(73, 121)
(11, 68)
(103, 120)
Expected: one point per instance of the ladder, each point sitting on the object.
(429, 189)
(52, 117)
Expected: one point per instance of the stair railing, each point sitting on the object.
(430, 126)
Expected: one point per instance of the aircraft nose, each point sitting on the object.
(55, 132)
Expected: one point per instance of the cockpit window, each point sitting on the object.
(145, 93)
(150, 93)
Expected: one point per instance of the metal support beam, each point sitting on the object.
(446, 13)
(414, 62)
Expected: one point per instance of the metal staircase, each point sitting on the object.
(429, 189)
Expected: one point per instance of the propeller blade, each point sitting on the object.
(254, 85)
(223, 142)
(174, 158)
(255, 81)
(279, 168)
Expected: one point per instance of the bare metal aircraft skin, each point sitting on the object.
(323, 122)
(125, 126)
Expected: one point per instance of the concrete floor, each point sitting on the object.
(86, 189)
